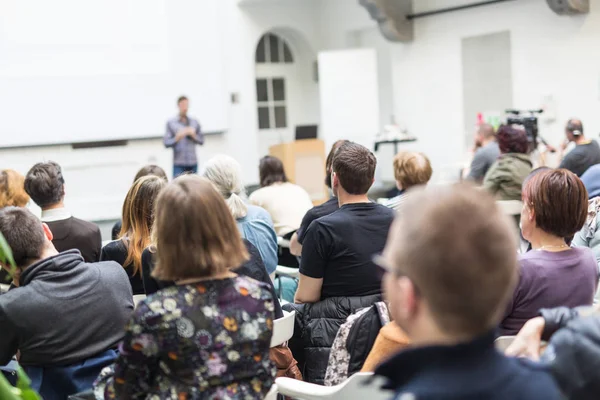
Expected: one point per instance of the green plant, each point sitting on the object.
(23, 390)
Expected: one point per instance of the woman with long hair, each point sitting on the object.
(138, 217)
(207, 336)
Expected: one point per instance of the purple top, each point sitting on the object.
(550, 279)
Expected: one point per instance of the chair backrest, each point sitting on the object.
(137, 298)
(503, 342)
(510, 207)
(360, 386)
(4, 288)
(283, 328)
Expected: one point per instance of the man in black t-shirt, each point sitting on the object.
(338, 248)
(319, 211)
(586, 152)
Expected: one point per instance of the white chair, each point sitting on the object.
(503, 342)
(281, 242)
(510, 207)
(287, 271)
(4, 288)
(137, 298)
(360, 386)
(272, 395)
(283, 328)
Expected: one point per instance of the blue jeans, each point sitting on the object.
(184, 169)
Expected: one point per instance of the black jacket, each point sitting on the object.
(315, 329)
(75, 233)
(573, 352)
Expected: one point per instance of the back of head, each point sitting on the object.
(138, 217)
(329, 161)
(575, 127)
(24, 234)
(45, 183)
(195, 233)
(512, 140)
(151, 169)
(487, 131)
(271, 171)
(559, 201)
(412, 169)
(459, 251)
(225, 173)
(12, 189)
(354, 166)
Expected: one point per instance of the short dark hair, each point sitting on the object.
(24, 234)
(329, 161)
(180, 99)
(44, 183)
(575, 126)
(270, 170)
(559, 200)
(512, 140)
(354, 166)
(151, 170)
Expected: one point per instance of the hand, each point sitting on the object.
(564, 145)
(191, 132)
(528, 340)
(550, 148)
(181, 134)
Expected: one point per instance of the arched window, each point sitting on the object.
(273, 49)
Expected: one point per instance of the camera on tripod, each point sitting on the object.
(529, 121)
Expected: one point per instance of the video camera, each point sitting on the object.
(529, 121)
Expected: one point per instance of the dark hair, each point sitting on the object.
(44, 183)
(354, 166)
(512, 140)
(329, 160)
(559, 200)
(271, 171)
(151, 170)
(24, 234)
(180, 99)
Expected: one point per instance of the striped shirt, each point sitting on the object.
(184, 151)
(396, 202)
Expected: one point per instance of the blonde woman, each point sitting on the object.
(138, 217)
(12, 189)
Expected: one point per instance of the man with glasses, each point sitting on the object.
(451, 267)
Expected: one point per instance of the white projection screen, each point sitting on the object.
(79, 71)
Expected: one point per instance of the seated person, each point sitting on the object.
(209, 335)
(505, 177)
(45, 184)
(66, 317)
(553, 274)
(319, 211)
(486, 153)
(254, 223)
(146, 170)
(138, 216)
(410, 169)
(451, 266)
(338, 248)
(573, 351)
(589, 235)
(586, 152)
(284, 201)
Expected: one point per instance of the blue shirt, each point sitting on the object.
(184, 151)
(257, 228)
(472, 370)
(591, 180)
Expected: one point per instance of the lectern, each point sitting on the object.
(304, 163)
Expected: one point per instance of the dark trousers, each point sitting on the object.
(184, 169)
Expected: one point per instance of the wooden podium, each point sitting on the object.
(304, 163)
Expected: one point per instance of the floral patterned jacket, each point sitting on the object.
(208, 340)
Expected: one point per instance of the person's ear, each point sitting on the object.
(334, 180)
(531, 214)
(408, 305)
(47, 232)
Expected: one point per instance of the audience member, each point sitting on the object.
(319, 211)
(486, 153)
(12, 190)
(589, 235)
(505, 177)
(286, 203)
(586, 152)
(46, 186)
(572, 353)
(254, 223)
(209, 335)
(336, 256)
(66, 317)
(410, 169)
(152, 170)
(553, 274)
(337, 275)
(591, 180)
(138, 217)
(451, 266)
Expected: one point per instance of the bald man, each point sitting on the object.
(586, 152)
(487, 153)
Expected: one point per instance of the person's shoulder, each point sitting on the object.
(532, 380)
(257, 212)
(111, 270)
(385, 210)
(85, 225)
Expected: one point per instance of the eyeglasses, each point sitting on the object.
(384, 267)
